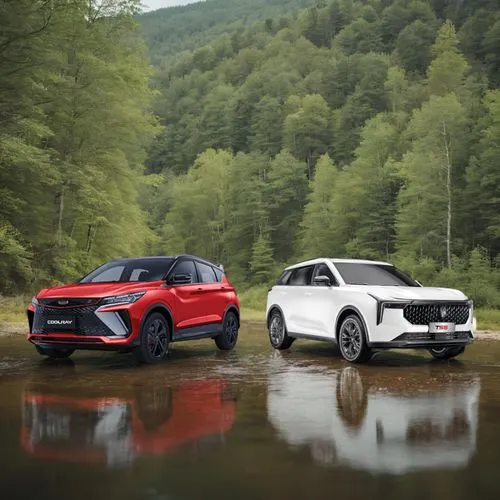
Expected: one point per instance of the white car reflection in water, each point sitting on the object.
(388, 426)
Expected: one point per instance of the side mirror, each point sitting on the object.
(180, 279)
(322, 281)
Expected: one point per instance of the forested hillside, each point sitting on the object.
(172, 30)
(284, 129)
(357, 128)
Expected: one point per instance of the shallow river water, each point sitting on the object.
(249, 424)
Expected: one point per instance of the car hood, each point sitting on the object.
(411, 293)
(97, 290)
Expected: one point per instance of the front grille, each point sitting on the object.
(425, 336)
(67, 302)
(87, 323)
(423, 314)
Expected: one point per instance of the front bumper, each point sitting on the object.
(466, 339)
(96, 327)
(67, 341)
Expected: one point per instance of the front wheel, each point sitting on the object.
(352, 340)
(278, 335)
(229, 336)
(54, 353)
(154, 337)
(446, 352)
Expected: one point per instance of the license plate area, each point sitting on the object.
(442, 331)
(60, 323)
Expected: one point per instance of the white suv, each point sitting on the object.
(366, 305)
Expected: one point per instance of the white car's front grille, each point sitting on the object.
(423, 314)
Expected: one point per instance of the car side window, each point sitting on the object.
(207, 273)
(186, 267)
(218, 274)
(301, 276)
(324, 270)
(283, 279)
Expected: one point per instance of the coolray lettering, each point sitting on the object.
(59, 322)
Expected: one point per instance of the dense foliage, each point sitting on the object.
(74, 128)
(355, 128)
(290, 129)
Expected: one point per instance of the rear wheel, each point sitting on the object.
(229, 336)
(352, 340)
(278, 335)
(154, 340)
(54, 353)
(446, 352)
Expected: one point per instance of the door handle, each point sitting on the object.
(222, 287)
(308, 294)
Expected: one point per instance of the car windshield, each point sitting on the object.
(373, 274)
(130, 270)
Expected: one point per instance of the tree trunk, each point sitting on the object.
(89, 238)
(448, 193)
(60, 211)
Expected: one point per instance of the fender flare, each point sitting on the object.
(358, 313)
(268, 317)
(234, 308)
(165, 309)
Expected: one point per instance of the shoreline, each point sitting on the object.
(15, 329)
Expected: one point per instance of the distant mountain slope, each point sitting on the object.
(174, 29)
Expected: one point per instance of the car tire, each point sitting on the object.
(226, 340)
(446, 352)
(54, 353)
(352, 340)
(278, 336)
(154, 337)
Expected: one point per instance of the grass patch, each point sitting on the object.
(488, 319)
(253, 315)
(13, 309)
(254, 298)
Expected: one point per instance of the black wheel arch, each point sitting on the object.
(348, 311)
(275, 307)
(165, 311)
(235, 310)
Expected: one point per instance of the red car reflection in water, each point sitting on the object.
(117, 430)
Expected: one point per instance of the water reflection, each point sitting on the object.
(116, 430)
(386, 424)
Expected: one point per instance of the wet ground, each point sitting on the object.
(249, 424)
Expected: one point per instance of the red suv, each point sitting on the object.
(138, 305)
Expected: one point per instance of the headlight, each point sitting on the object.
(34, 301)
(122, 299)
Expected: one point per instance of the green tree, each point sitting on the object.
(286, 190)
(317, 224)
(483, 180)
(306, 131)
(266, 129)
(449, 66)
(262, 263)
(198, 216)
(431, 174)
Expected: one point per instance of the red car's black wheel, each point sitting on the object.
(154, 338)
(229, 336)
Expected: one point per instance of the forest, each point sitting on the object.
(253, 133)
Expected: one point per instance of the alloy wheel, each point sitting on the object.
(350, 339)
(231, 328)
(157, 339)
(276, 330)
